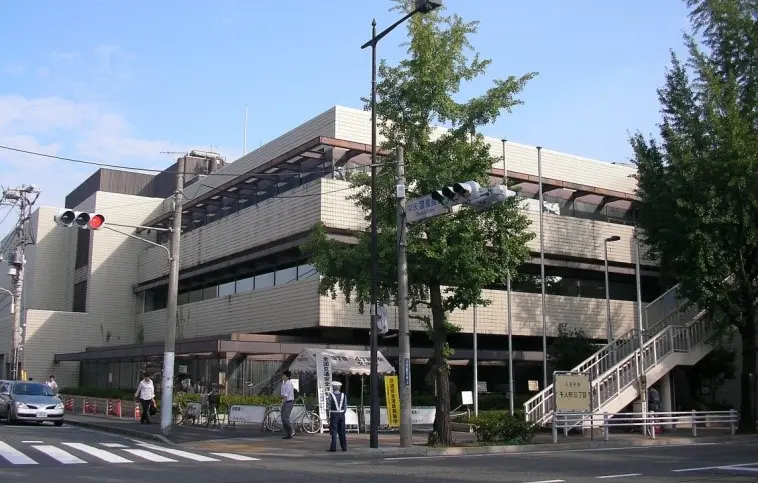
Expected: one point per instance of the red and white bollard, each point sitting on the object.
(137, 414)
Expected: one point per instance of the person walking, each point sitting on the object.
(146, 395)
(52, 384)
(288, 400)
(337, 408)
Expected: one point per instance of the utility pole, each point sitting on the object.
(17, 261)
(173, 294)
(406, 432)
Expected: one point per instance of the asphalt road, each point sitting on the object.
(37, 454)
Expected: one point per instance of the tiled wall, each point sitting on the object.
(526, 315)
(293, 212)
(284, 307)
(355, 125)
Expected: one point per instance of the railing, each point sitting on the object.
(648, 423)
(538, 408)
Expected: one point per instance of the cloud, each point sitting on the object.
(64, 56)
(13, 69)
(57, 126)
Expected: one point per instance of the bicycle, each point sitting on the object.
(308, 422)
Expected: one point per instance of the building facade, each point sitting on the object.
(94, 304)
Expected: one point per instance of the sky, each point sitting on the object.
(124, 82)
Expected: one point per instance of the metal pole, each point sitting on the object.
(18, 288)
(173, 293)
(476, 369)
(640, 329)
(404, 349)
(608, 327)
(511, 391)
(542, 268)
(374, 379)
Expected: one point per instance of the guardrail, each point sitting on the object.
(648, 423)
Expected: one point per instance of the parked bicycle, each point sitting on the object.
(309, 421)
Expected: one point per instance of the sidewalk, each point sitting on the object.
(249, 439)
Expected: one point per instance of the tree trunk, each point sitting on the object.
(442, 433)
(748, 376)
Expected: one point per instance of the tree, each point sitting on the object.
(570, 348)
(714, 370)
(699, 184)
(452, 258)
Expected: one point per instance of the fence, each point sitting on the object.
(94, 406)
(648, 423)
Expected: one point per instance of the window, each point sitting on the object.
(80, 297)
(82, 248)
(246, 285)
(264, 281)
(286, 275)
(226, 289)
(304, 272)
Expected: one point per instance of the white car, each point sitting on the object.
(30, 401)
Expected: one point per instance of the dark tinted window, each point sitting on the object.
(32, 389)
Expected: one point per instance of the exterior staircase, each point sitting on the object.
(672, 337)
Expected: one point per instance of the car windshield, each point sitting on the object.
(31, 389)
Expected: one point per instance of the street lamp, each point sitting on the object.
(608, 327)
(422, 6)
(13, 297)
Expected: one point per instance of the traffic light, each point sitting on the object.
(491, 196)
(470, 193)
(79, 219)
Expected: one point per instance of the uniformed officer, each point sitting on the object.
(337, 408)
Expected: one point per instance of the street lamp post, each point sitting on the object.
(422, 6)
(608, 326)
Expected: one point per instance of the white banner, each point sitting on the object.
(246, 414)
(324, 379)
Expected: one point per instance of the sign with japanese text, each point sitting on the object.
(573, 392)
(324, 383)
(393, 401)
(422, 208)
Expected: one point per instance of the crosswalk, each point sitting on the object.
(75, 453)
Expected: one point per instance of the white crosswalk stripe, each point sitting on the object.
(72, 453)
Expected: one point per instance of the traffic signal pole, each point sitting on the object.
(173, 294)
(406, 433)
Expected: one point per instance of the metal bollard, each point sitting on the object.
(555, 428)
(732, 421)
(606, 432)
(694, 423)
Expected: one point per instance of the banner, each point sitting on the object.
(324, 383)
(393, 401)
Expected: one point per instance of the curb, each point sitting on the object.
(420, 451)
(122, 431)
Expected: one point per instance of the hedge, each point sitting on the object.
(501, 427)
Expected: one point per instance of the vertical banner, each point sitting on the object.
(324, 381)
(393, 401)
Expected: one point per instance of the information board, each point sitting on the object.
(573, 392)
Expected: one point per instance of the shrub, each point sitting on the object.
(501, 427)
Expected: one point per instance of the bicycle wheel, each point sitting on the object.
(274, 421)
(311, 422)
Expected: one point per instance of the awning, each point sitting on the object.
(343, 362)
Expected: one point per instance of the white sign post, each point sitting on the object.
(422, 208)
(324, 384)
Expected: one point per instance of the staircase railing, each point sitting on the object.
(539, 407)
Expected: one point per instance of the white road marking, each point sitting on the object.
(237, 457)
(704, 468)
(735, 468)
(156, 458)
(548, 481)
(35, 442)
(106, 456)
(608, 477)
(528, 453)
(113, 445)
(14, 456)
(177, 452)
(63, 456)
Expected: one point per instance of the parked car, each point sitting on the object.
(30, 401)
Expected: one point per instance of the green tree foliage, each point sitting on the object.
(452, 258)
(699, 183)
(714, 370)
(570, 348)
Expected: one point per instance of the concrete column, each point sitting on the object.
(665, 392)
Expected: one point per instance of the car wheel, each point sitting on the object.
(8, 416)
(59, 423)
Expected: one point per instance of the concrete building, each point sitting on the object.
(95, 301)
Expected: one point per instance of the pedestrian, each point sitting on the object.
(145, 394)
(288, 400)
(52, 384)
(337, 408)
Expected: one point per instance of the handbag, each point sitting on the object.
(153, 410)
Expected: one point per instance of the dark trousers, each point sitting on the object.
(286, 411)
(145, 406)
(337, 428)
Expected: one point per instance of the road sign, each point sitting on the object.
(573, 392)
(422, 208)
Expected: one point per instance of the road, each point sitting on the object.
(40, 454)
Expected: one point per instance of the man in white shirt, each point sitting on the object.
(288, 400)
(52, 384)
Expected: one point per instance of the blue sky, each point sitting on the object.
(120, 82)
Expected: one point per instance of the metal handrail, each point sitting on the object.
(645, 421)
